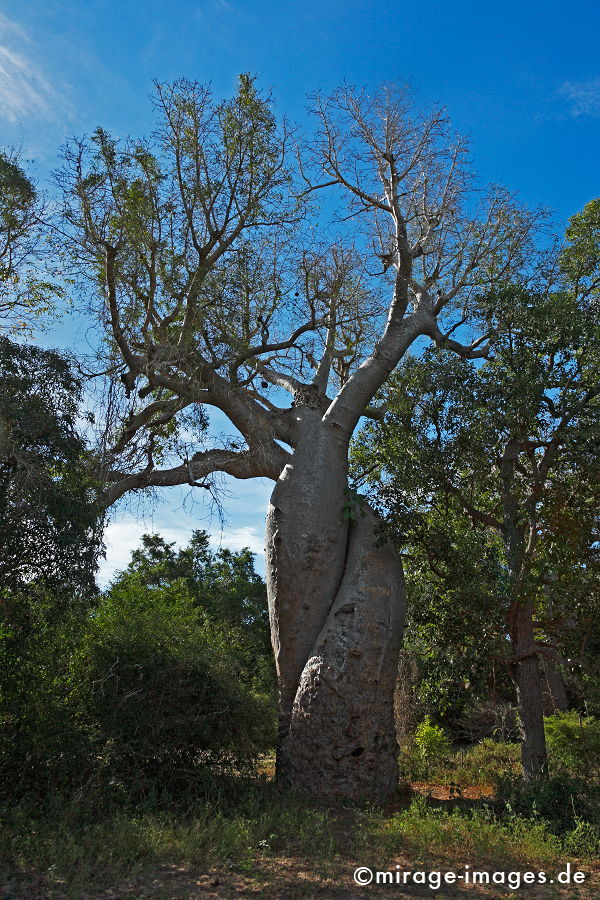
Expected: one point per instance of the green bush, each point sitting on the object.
(583, 840)
(563, 801)
(432, 742)
(573, 744)
(41, 739)
(490, 762)
(428, 751)
(162, 692)
(139, 694)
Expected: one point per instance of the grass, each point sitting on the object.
(76, 848)
(424, 832)
(74, 851)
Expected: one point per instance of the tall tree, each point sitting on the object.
(200, 247)
(49, 509)
(512, 443)
(225, 588)
(24, 295)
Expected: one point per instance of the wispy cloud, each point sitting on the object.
(25, 89)
(584, 97)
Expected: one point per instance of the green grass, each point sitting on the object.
(77, 848)
(423, 831)
(74, 849)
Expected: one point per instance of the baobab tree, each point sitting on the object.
(199, 248)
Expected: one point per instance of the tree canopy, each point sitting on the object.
(511, 442)
(51, 528)
(25, 294)
(198, 250)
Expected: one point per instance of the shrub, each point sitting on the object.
(162, 692)
(573, 744)
(490, 762)
(432, 742)
(140, 695)
(428, 751)
(583, 840)
(40, 736)
(562, 801)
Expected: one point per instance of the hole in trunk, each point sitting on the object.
(358, 752)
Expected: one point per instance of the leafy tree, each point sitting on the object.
(138, 694)
(48, 500)
(23, 294)
(162, 693)
(198, 250)
(224, 588)
(513, 444)
(455, 625)
(50, 538)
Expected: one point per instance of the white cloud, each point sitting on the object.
(25, 89)
(238, 539)
(124, 535)
(584, 97)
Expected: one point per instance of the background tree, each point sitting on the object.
(455, 631)
(24, 295)
(50, 539)
(48, 509)
(513, 443)
(224, 587)
(156, 687)
(197, 250)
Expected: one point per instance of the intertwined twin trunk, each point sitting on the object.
(336, 604)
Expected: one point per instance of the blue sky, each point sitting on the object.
(522, 80)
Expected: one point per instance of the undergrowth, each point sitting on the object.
(73, 847)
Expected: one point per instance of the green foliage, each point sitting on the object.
(583, 840)
(224, 589)
(39, 737)
(23, 294)
(352, 506)
(562, 801)
(573, 744)
(487, 473)
(428, 751)
(431, 741)
(50, 538)
(580, 258)
(156, 686)
(489, 762)
(50, 520)
(164, 691)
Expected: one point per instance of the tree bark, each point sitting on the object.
(555, 695)
(336, 602)
(530, 699)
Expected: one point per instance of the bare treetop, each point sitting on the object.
(214, 289)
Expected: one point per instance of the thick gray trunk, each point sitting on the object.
(306, 538)
(336, 602)
(342, 738)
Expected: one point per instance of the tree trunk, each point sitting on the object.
(555, 695)
(529, 692)
(336, 604)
